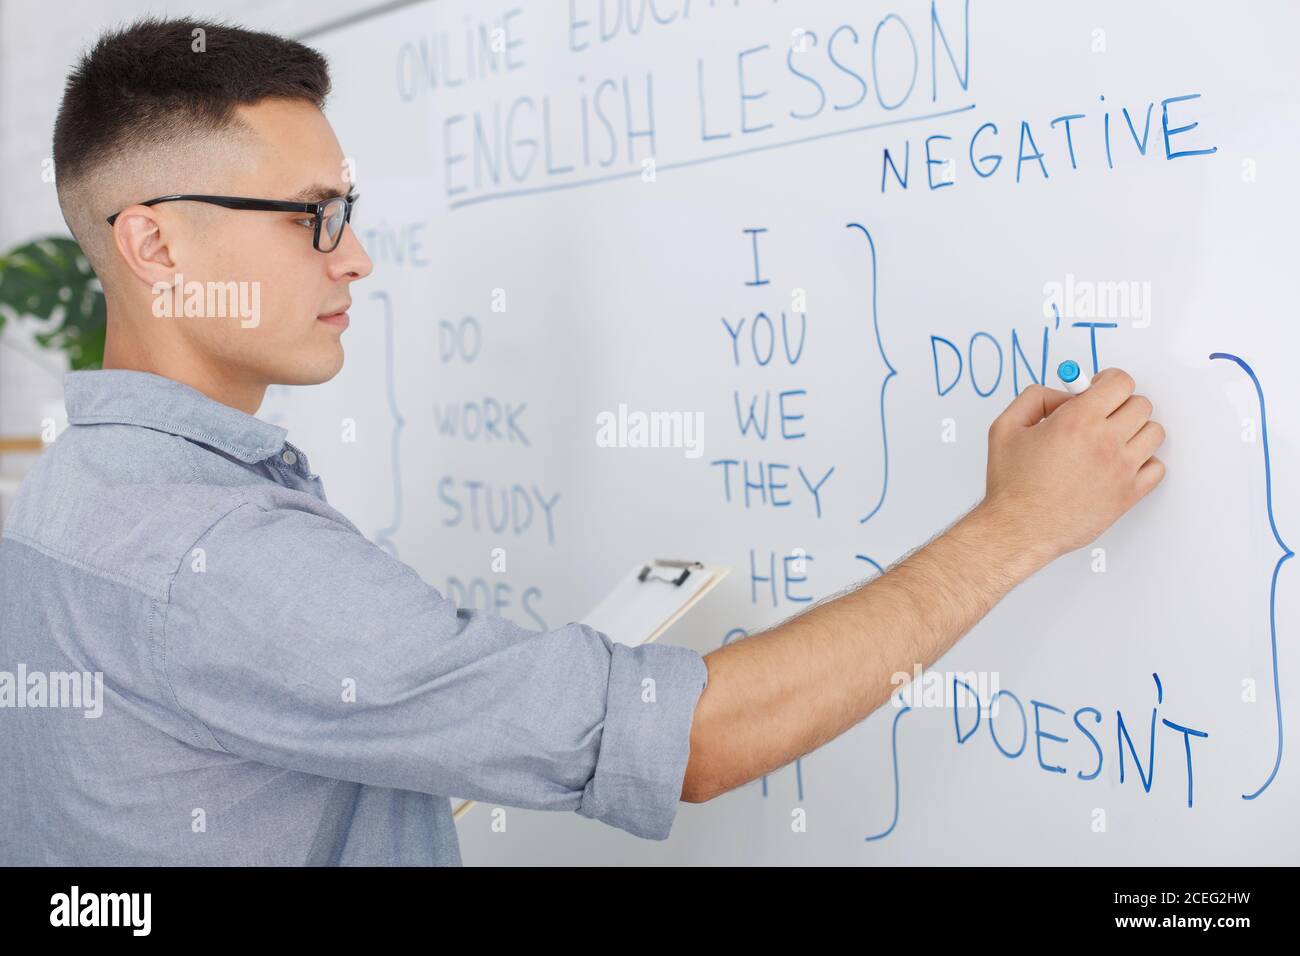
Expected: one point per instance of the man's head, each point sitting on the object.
(183, 107)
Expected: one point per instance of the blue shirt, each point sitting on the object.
(273, 687)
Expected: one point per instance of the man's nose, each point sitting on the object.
(350, 258)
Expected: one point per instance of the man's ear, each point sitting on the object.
(143, 244)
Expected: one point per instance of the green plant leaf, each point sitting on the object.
(50, 280)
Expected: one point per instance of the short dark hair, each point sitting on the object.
(145, 84)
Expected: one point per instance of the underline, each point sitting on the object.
(682, 164)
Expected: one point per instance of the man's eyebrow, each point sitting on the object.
(317, 194)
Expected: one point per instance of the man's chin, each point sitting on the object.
(313, 373)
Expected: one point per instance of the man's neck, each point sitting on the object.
(145, 348)
(244, 396)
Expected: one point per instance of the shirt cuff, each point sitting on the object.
(646, 740)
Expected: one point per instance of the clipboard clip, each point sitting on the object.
(686, 567)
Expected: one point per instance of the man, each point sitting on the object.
(277, 689)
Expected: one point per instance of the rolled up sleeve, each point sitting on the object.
(645, 741)
(293, 641)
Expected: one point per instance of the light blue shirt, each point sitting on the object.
(274, 688)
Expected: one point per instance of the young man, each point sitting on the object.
(277, 689)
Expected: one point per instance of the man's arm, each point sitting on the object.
(300, 644)
(1060, 471)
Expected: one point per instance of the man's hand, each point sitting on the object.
(1061, 470)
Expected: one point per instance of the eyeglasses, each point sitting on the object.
(331, 214)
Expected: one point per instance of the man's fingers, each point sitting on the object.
(1144, 444)
(1053, 400)
(1149, 475)
(1031, 406)
(1110, 389)
(1131, 416)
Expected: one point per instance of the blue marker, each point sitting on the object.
(1072, 377)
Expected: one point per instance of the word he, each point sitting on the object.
(793, 571)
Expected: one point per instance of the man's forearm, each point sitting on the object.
(779, 694)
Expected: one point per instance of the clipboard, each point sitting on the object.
(648, 600)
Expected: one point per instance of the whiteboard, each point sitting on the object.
(822, 335)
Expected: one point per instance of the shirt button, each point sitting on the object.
(289, 458)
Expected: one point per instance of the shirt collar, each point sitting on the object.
(129, 397)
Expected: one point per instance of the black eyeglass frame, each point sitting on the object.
(268, 205)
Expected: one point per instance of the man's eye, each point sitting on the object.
(309, 223)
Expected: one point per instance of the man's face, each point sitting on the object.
(289, 327)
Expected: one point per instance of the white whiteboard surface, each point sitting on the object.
(620, 282)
